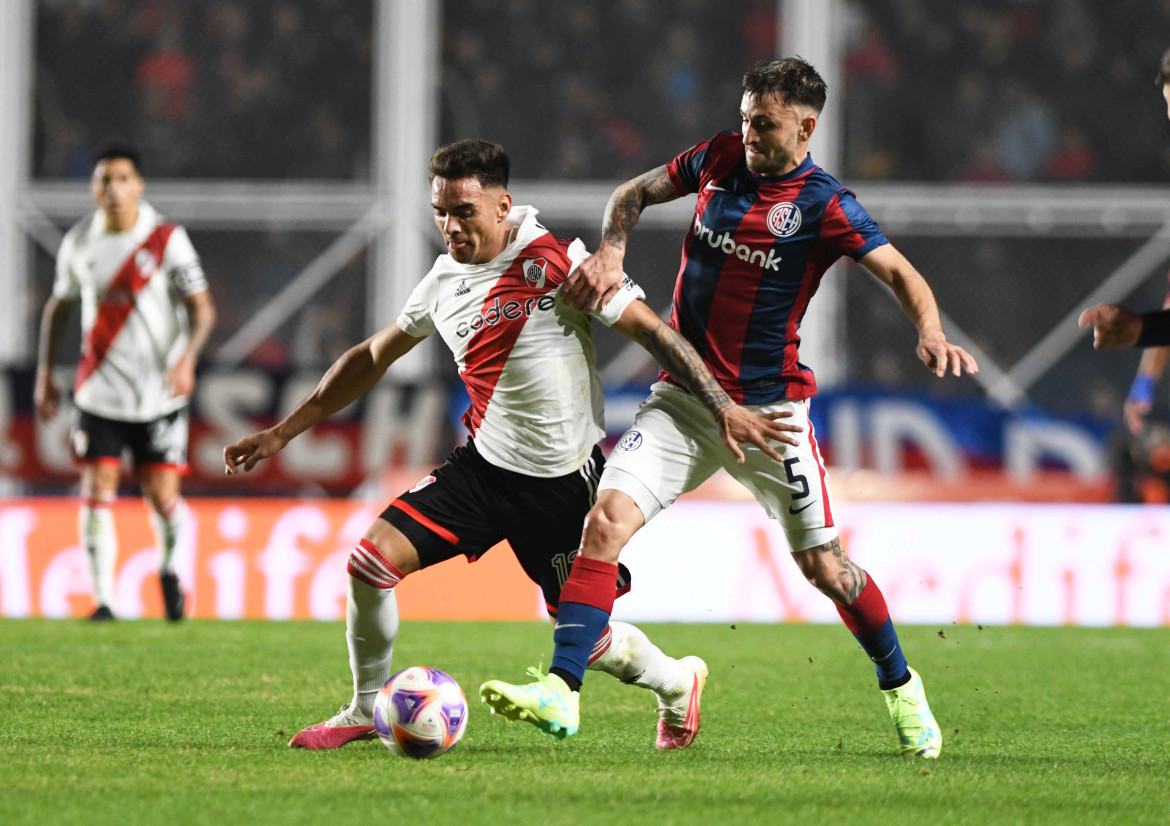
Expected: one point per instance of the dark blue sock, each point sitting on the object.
(868, 619)
(577, 629)
(883, 648)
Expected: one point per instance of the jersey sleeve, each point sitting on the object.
(686, 169)
(418, 316)
(183, 267)
(1155, 330)
(848, 229)
(65, 286)
(628, 293)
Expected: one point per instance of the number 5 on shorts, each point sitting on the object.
(796, 478)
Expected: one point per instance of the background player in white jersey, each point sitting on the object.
(528, 473)
(768, 223)
(146, 314)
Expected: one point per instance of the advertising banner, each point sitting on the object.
(700, 561)
(240, 559)
(416, 425)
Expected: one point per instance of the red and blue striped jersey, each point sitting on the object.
(753, 258)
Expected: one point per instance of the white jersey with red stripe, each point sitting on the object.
(526, 357)
(133, 320)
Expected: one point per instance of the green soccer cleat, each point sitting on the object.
(547, 703)
(917, 729)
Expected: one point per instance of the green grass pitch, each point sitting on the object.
(143, 722)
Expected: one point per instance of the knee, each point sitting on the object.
(162, 503)
(161, 491)
(100, 482)
(608, 526)
(368, 564)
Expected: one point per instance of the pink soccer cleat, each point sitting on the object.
(678, 717)
(343, 727)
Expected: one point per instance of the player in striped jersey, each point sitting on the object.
(528, 474)
(146, 314)
(768, 223)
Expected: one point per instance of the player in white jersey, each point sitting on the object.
(146, 314)
(528, 473)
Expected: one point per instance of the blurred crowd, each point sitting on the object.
(206, 88)
(1002, 90)
(1006, 90)
(604, 89)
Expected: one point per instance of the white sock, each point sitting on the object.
(371, 625)
(167, 530)
(632, 658)
(96, 525)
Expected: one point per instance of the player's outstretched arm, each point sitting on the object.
(599, 277)
(350, 377)
(938, 354)
(737, 425)
(46, 396)
(1115, 326)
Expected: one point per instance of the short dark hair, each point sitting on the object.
(1163, 70)
(118, 150)
(472, 158)
(793, 79)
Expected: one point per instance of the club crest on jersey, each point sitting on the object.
(784, 219)
(534, 269)
(631, 441)
(422, 483)
(145, 263)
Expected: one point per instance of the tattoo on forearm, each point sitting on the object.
(626, 204)
(851, 577)
(679, 358)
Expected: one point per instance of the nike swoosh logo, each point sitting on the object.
(716, 188)
(793, 511)
(559, 626)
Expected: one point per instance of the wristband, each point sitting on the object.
(1155, 329)
(1142, 390)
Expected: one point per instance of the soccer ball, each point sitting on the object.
(420, 712)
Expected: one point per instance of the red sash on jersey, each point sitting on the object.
(489, 349)
(118, 302)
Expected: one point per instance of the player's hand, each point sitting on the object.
(251, 450)
(738, 425)
(46, 397)
(1113, 326)
(181, 378)
(940, 356)
(595, 281)
(1135, 415)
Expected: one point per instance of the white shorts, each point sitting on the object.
(674, 445)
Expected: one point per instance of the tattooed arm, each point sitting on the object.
(736, 424)
(599, 277)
